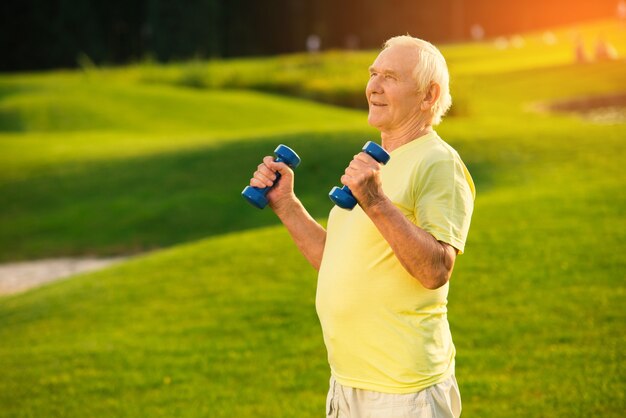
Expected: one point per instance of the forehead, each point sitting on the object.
(400, 59)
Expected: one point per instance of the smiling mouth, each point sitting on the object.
(378, 104)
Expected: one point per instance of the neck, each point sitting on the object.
(392, 139)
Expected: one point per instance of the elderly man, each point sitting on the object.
(384, 267)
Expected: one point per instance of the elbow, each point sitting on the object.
(435, 274)
(434, 280)
(435, 284)
(440, 271)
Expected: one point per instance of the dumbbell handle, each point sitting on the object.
(343, 196)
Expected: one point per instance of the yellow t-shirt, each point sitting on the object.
(383, 330)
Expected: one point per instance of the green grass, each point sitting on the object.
(224, 325)
(203, 334)
(113, 207)
(155, 155)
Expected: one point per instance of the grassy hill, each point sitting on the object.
(224, 324)
(125, 157)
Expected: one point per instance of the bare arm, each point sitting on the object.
(428, 260)
(309, 236)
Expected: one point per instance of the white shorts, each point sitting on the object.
(442, 400)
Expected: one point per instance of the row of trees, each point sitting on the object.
(40, 34)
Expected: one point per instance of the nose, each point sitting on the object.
(374, 85)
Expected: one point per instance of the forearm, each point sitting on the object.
(308, 235)
(425, 258)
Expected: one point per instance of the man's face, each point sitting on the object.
(392, 93)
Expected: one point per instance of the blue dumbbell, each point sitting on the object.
(255, 195)
(343, 197)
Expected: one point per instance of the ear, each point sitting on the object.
(432, 95)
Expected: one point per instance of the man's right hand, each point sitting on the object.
(265, 176)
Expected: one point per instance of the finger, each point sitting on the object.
(266, 180)
(357, 165)
(254, 182)
(268, 161)
(282, 168)
(271, 164)
(266, 171)
(366, 158)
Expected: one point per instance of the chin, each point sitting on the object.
(374, 122)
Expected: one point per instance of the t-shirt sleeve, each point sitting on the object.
(444, 201)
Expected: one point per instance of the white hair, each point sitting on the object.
(431, 67)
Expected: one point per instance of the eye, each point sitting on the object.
(372, 75)
(389, 77)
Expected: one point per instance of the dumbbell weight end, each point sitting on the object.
(342, 197)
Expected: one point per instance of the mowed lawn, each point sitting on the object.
(223, 323)
(90, 165)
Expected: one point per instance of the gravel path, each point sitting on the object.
(19, 277)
